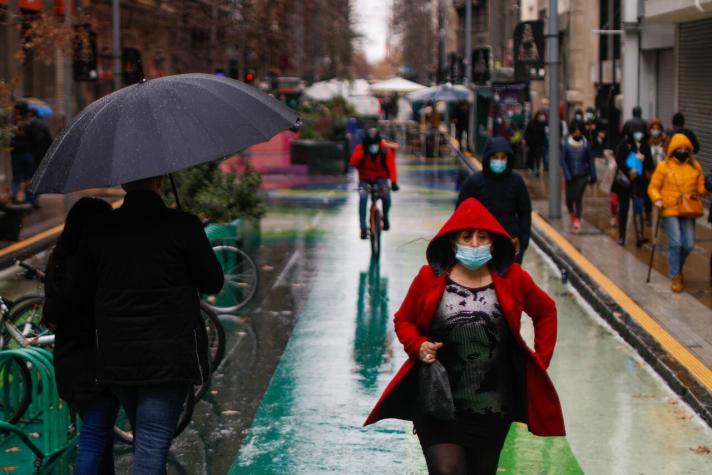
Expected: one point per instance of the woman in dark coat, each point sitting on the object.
(635, 161)
(537, 143)
(464, 311)
(74, 353)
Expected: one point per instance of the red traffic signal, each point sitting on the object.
(250, 77)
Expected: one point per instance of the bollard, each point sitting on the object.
(564, 276)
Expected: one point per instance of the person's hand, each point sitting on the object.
(659, 203)
(428, 351)
(517, 245)
(632, 174)
(394, 186)
(640, 156)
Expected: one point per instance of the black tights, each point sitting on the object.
(453, 459)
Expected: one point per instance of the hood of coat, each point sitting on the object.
(496, 145)
(471, 214)
(678, 141)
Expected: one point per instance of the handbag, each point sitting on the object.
(434, 392)
(689, 205)
(622, 179)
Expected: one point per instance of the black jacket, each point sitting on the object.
(145, 264)
(535, 135)
(639, 185)
(73, 319)
(505, 195)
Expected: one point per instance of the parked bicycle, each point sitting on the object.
(241, 278)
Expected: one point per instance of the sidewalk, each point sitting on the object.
(673, 332)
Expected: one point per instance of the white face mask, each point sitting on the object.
(373, 148)
(655, 133)
(638, 136)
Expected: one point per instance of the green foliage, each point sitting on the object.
(216, 196)
(325, 120)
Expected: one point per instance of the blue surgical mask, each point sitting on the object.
(373, 149)
(498, 166)
(473, 257)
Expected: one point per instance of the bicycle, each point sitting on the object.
(375, 217)
(241, 278)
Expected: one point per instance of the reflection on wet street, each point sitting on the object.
(308, 359)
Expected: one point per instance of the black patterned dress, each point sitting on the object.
(476, 352)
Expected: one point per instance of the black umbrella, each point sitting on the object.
(157, 127)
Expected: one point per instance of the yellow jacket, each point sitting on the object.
(672, 178)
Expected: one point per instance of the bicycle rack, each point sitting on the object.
(47, 419)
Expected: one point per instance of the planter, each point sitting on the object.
(321, 158)
(243, 233)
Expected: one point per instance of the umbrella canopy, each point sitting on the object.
(442, 92)
(396, 85)
(157, 127)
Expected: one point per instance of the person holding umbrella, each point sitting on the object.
(463, 313)
(144, 264)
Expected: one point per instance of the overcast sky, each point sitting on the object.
(372, 22)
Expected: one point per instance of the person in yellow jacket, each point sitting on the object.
(678, 174)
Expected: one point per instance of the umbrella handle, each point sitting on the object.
(175, 190)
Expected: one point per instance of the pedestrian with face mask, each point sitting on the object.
(467, 300)
(537, 141)
(657, 140)
(579, 170)
(376, 164)
(503, 192)
(675, 188)
(634, 164)
(635, 123)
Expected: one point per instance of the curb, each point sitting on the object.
(678, 377)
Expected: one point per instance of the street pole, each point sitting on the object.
(116, 42)
(468, 74)
(554, 121)
(443, 38)
(68, 64)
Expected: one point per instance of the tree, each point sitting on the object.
(414, 37)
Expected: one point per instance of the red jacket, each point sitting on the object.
(516, 291)
(372, 168)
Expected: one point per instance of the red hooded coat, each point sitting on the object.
(537, 402)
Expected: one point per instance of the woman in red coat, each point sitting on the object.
(464, 310)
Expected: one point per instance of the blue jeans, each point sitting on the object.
(95, 455)
(680, 233)
(153, 412)
(363, 199)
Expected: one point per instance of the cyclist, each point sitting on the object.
(375, 160)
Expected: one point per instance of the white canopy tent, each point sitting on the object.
(395, 85)
(333, 88)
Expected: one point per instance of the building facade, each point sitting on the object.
(668, 63)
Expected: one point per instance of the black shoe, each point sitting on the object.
(386, 225)
(640, 242)
(364, 234)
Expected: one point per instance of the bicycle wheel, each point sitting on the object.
(375, 228)
(26, 316)
(216, 346)
(16, 391)
(241, 280)
(123, 431)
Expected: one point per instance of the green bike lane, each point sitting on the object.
(620, 417)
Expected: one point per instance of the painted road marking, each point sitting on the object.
(649, 324)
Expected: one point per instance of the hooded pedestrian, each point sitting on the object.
(468, 300)
(579, 170)
(503, 192)
(72, 320)
(675, 188)
(635, 163)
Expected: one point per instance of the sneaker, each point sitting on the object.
(576, 225)
(641, 241)
(364, 234)
(677, 284)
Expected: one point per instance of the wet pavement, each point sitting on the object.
(308, 359)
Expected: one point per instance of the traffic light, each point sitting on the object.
(250, 77)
